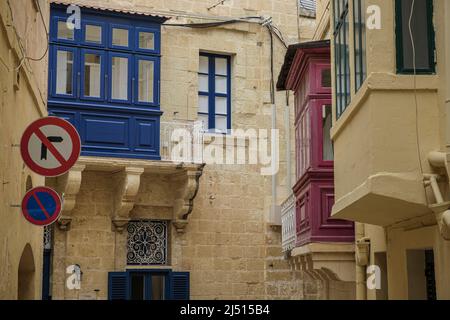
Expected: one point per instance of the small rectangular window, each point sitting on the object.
(119, 78)
(147, 242)
(93, 34)
(422, 36)
(147, 40)
(145, 80)
(327, 145)
(64, 72)
(64, 32)
(120, 37)
(92, 75)
(214, 92)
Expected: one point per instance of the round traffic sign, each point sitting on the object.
(41, 206)
(50, 146)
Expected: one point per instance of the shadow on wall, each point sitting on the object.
(25, 287)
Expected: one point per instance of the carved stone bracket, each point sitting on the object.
(128, 182)
(187, 184)
(68, 186)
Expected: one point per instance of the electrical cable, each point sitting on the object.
(413, 46)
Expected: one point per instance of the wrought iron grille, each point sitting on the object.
(147, 243)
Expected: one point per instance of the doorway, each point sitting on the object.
(26, 274)
(421, 274)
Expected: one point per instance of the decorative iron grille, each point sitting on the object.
(147, 243)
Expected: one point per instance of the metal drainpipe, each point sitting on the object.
(361, 290)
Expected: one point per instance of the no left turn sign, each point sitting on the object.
(50, 146)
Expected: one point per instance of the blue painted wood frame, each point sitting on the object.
(130, 77)
(54, 70)
(103, 62)
(212, 89)
(157, 40)
(104, 33)
(54, 32)
(130, 36)
(156, 83)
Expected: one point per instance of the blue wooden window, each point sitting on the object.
(214, 91)
(141, 284)
(105, 79)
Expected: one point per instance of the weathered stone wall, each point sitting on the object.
(22, 100)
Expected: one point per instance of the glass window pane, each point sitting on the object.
(147, 40)
(92, 74)
(93, 34)
(420, 31)
(64, 32)
(203, 105)
(64, 72)
(221, 105)
(119, 78)
(221, 84)
(204, 64)
(203, 84)
(221, 66)
(327, 145)
(204, 119)
(221, 123)
(326, 78)
(158, 287)
(146, 73)
(120, 37)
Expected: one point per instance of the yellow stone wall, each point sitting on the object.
(227, 246)
(377, 136)
(21, 34)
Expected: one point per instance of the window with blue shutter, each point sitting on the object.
(141, 284)
(180, 286)
(105, 79)
(117, 286)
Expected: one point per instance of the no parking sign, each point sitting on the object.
(41, 206)
(50, 146)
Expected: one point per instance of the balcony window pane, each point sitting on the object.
(221, 66)
(327, 146)
(119, 78)
(326, 78)
(203, 104)
(146, 40)
(221, 84)
(204, 64)
(146, 81)
(92, 75)
(221, 123)
(221, 105)
(120, 37)
(203, 84)
(64, 72)
(64, 32)
(93, 34)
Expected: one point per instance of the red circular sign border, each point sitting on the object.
(76, 146)
(55, 197)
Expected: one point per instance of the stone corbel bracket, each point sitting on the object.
(186, 187)
(68, 186)
(128, 181)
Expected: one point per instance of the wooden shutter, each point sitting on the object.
(117, 285)
(180, 285)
